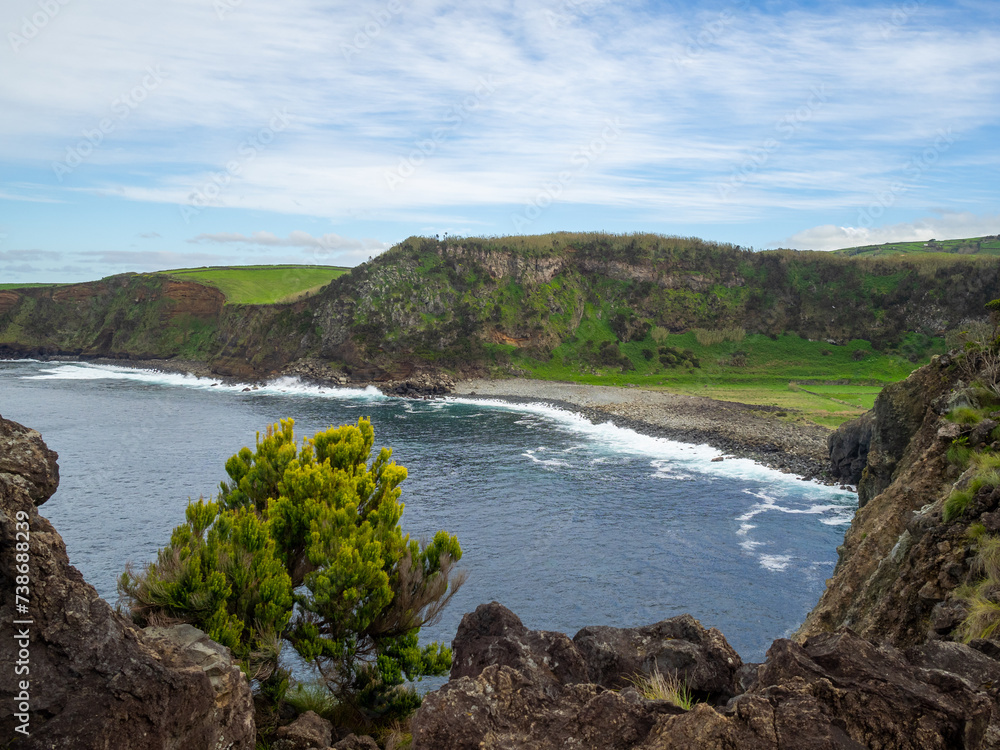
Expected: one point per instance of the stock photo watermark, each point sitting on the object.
(551, 190)
(121, 107)
(708, 34)
(567, 12)
(21, 663)
(370, 31)
(453, 120)
(211, 190)
(224, 7)
(31, 26)
(785, 128)
(900, 16)
(914, 169)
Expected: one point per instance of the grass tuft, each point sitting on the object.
(986, 462)
(964, 415)
(983, 618)
(976, 531)
(956, 504)
(311, 696)
(659, 687)
(959, 453)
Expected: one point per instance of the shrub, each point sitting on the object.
(322, 522)
(659, 334)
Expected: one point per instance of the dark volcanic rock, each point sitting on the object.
(504, 708)
(96, 681)
(493, 635)
(308, 731)
(849, 446)
(835, 691)
(354, 742)
(680, 646)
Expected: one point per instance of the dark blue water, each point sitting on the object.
(566, 522)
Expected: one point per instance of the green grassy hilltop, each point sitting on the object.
(262, 285)
(808, 331)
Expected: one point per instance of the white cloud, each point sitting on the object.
(692, 106)
(945, 225)
(325, 249)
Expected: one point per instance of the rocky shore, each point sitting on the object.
(877, 664)
(739, 430)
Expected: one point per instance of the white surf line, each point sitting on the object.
(685, 457)
(284, 385)
(681, 457)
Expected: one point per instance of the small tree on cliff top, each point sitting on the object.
(322, 522)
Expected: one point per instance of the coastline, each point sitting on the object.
(738, 430)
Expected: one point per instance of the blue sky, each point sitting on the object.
(139, 135)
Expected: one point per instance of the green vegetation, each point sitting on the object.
(659, 687)
(317, 527)
(816, 334)
(989, 245)
(28, 286)
(982, 599)
(262, 285)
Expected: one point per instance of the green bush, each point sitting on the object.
(322, 522)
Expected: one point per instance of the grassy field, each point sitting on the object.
(26, 286)
(262, 285)
(989, 245)
(813, 380)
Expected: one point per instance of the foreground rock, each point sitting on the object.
(96, 681)
(516, 689)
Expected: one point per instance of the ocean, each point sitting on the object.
(566, 522)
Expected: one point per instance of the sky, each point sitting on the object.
(139, 135)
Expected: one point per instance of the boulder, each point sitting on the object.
(95, 680)
(495, 636)
(680, 646)
(354, 742)
(308, 731)
(503, 707)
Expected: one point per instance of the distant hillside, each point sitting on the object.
(643, 309)
(989, 245)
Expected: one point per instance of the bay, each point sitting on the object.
(566, 522)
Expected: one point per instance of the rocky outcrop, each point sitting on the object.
(93, 679)
(839, 691)
(899, 563)
(848, 446)
(836, 690)
(901, 409)
(680, 645)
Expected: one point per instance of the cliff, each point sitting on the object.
(469, 305)
(76, 674)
